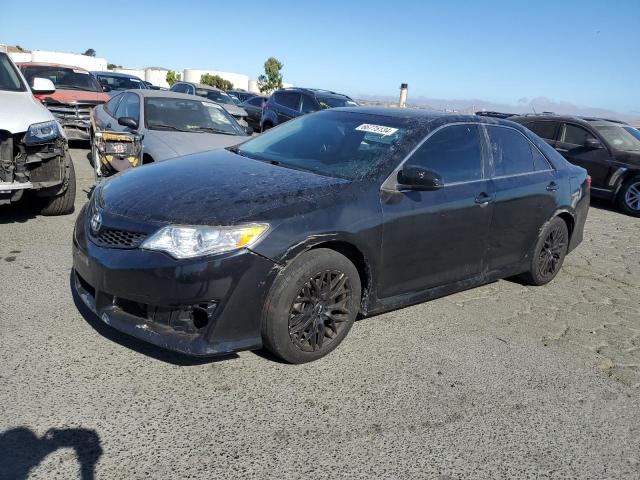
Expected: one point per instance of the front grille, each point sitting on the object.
(70, 111)
(109, 238)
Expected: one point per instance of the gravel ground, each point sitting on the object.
(503, 381)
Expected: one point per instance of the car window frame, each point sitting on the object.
(391, 183)
(124, 96)
(492, 169)
(564, 129)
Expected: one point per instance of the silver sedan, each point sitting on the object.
(143, 126)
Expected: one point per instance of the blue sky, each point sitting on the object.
(583, 52)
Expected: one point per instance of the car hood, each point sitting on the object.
(74, 96)
(186, 143)
(215, 188)
(234, 110)
(18, 110)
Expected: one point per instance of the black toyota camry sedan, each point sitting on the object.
(282, 241)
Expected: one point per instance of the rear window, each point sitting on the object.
(287, 99)
(339, 144)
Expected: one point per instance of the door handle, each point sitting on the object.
(483, 199)
(552, 187)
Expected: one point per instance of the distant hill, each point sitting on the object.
(525, 105)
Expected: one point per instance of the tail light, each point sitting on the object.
(588, 182)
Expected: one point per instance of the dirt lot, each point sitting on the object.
(501, 381)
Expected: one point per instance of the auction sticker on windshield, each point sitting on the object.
(379, 129)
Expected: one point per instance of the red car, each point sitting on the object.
(77, 92)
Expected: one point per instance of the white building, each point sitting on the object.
(62, 58)
(239, 80)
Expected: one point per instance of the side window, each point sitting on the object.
(256, 101)
(540, 162)
(453, 152)
(176, 88)
(288, 99)
(308, 104)
(510, 150)
(575, 135)
(546, 130)
(129, 107)
(112, 105)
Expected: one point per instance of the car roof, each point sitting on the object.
(594, 121)
(202, 85)
(427, 116)
(44, 64)
(114, 74)
(148, 93)
(314, 91)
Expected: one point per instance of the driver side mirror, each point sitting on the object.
(105, 87)
(418, 178)
(42, 86)
(593, 143)
(128, 122)
(248, 130)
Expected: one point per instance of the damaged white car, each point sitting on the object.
(34, 157)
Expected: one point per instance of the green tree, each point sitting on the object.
(173, 77)
(113, 66)
(90, 52)
(272, 78)
(216, 81)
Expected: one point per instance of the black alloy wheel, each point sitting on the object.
(320, 310)
(548, 254)
(311, 306)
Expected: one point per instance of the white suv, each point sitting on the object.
(34, 157)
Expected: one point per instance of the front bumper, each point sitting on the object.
(149, 295)
(78, 130)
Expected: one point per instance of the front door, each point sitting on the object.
(595, 160)
(433, 238)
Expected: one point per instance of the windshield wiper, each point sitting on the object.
(161, 126)
(211, 130)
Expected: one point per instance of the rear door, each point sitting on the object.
(433, 238)
(597, 161)
(525, 186)
(287, 105)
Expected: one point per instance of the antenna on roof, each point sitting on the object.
(534, 109)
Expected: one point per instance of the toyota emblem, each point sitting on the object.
(96, 222)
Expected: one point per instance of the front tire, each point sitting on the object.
(548, 254)
(62, 204)
(311, 306)
(629, 197)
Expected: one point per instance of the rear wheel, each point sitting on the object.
(629, 197)
(311, 306)
(62, 204)
(549, 253)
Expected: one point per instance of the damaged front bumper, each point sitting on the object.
(43, 167)
(204, 306)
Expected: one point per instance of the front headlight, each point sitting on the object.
(42, 132)
(195, 241)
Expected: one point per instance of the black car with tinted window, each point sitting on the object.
(282, 240)
(288, 103)
(608, 149)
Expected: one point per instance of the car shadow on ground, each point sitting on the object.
(19, 212)
(21, 450)
(139, 346)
